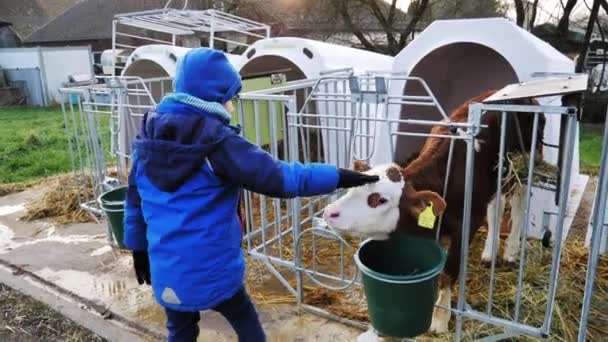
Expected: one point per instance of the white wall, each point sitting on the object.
(13, 58)
(55, 64)
(61, 62)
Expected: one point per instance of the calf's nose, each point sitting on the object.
(332, 214)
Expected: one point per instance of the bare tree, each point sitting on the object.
(386, 16)
(520, 12)
(522, 8)
(398, 28)
(448, 9)
(376, 25)
(417, 10)
(532, 21)
(564, 22)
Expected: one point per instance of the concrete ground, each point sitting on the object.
(72, 269)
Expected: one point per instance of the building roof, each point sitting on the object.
(91, 19)
(28, 15)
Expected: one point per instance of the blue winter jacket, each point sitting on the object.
(188, 168)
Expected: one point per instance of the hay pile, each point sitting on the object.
(61, 203)
(11, 188)
(265, 289)
(517, 174)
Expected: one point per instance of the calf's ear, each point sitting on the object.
(426, 197)
(416, 201)
(360, 166)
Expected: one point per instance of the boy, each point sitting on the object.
(189, 166)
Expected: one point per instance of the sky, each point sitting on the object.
(549, 10)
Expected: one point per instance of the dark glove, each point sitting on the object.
(141, 264)
(351, 179)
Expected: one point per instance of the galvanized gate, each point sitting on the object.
(346, 118)
(342, 118)
(95, 119)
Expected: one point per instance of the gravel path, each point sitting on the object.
(23, 319)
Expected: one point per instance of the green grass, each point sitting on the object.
(590, 148)
(33, 144)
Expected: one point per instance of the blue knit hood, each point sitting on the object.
(208, 75)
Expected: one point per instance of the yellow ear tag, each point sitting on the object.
(426, 219)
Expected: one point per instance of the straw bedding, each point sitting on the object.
(10, 188)
(61, 202)
(517, 174)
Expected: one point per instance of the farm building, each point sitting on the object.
(29, 15)
(88, 23)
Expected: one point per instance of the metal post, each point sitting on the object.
(67, 130)
(293, 148)
(114, 47)
(261, 198)
(343, 162)
(563, 199)
(446, 182)
(274, 149)
(212, 32)
(474, 120)
(496, 236)
(524, 230)
(598, 220)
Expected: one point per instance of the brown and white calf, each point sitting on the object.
(393, 204)
(512, 244)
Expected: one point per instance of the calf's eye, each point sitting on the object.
(375, 199)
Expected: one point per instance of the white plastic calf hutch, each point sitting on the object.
(152, 68)
(152, 61)
(301, 58)
(460, 59)
(295, 59)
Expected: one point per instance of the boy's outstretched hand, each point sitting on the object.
(141, 264)
(351, 179)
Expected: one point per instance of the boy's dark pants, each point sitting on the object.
(238, 310)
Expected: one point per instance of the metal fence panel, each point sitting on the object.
(31, 77)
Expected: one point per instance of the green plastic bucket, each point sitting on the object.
(112, 203)
(400, 278)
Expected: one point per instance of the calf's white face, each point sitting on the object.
(374, 210)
